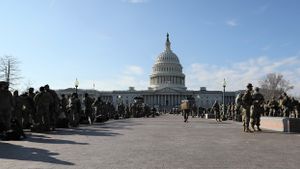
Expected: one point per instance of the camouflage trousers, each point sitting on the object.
(255, 116)
(286, 112)
(185, 115)
(74, 118)
(246, 117)
(217, 115)
(17, 115)
(5, 118)
(273, 112)
(43, 116)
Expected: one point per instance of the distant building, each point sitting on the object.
(167, 86)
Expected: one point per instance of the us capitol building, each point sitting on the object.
(167, 86)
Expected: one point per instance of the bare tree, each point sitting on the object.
(9, 70)
(274, 84)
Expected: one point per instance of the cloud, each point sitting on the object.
(116, 83)
(133, 70)
(131, 76)
(135, 1)
(232, 23)
(239, 74)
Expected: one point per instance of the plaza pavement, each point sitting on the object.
(164, 142)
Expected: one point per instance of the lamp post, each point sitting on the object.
(224, 86)
(76, 85)
(119, 99)
(198, 100)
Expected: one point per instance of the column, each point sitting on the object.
(151, 98)
(168, 99)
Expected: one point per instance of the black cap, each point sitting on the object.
(249, 85)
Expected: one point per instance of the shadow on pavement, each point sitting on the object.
(117, 124)
(98, 129)
(47, 140)
(84, 132)
(16, 152)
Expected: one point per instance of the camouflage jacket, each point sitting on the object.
(247, 100)
(258, 99)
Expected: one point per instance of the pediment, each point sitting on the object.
(169, 90)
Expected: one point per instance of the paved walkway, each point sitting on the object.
(154, 143)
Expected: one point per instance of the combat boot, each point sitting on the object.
(258, 129)
(248, 130)
(253, 128)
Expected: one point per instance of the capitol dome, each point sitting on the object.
(167, 71)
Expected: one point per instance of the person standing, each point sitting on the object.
(186, 108)
(246, 105)
(63, 103)
(286, 105)
(53, 107)
(6, 105)
(216, 109)
(75, 106)
(18, 106)
(273, 105)
(29, 114)
(256, 109)
(88, 102)
(42, 101)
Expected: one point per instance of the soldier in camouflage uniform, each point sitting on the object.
(88, 102)
(121, 110)
(256, 109)
(53, 107)
(6, 105)
(273, 105)
(286, 105)
(246, 105)
(216, 109)
(18, 106)
(42, 101)
(297, 111)
(29, 113)
(63, 104)
(75, 110)
(294, 103)
(238, 107)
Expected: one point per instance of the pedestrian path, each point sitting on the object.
(164, 142)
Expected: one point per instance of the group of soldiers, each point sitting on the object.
(251, 105)
(40, 109)
(284, 106)
(45, 110)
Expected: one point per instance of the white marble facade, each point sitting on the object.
(167, 86)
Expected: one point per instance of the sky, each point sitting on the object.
(113, 44)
